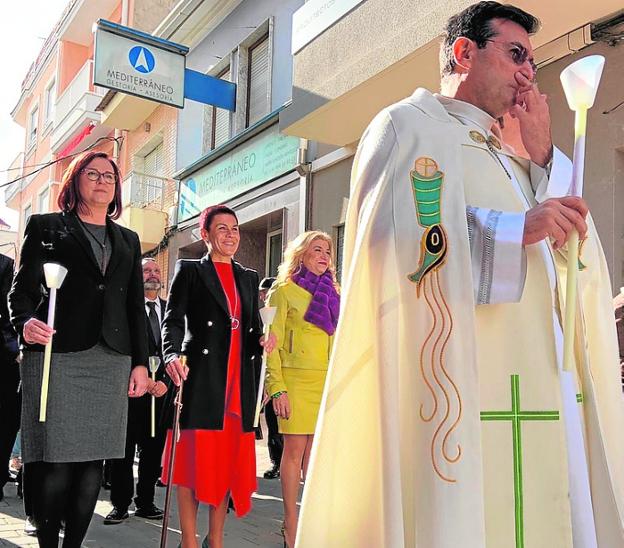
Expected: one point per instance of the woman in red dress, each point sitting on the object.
(212, 317)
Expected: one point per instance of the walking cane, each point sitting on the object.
(54, 276)
(580, 82)
(175, 436)
(268, 315)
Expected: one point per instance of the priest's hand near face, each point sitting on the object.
(531, 110)
(555, 219)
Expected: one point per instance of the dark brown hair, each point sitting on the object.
(206, 216)
(70, 200)
(475, 23)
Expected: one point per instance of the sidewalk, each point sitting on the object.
(261, 527)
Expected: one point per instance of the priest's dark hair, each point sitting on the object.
(206, 216)
(69, 198)
(475, 23)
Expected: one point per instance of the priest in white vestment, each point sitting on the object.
(447, 420)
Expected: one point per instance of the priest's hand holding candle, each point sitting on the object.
(580, 82)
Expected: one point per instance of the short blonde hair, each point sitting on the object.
(293, 256)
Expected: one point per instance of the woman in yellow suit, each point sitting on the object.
(307, 300)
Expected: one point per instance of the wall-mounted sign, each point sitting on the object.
(262, 158)
(315, 17)
(138, 64)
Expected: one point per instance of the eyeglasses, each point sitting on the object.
(93, 175)
(518, 53)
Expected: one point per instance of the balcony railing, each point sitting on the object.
(74, 92)
(148, 191)
(75, 107)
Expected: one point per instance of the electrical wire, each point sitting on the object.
(119, 140)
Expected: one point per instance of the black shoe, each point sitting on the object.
(106, 485)
(160, 483)
(149, 512)
(273, 473)
(116, 516)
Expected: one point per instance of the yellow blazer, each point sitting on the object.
(300, 344)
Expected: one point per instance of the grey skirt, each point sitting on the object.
(87, 409)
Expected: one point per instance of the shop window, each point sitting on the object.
(220, 123)
(258, 82)
(43, 205)
(339, 236)
(274, 252)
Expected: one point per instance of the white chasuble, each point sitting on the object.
(442, 422)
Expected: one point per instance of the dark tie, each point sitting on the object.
(153, 320)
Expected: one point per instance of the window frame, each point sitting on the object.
(265, 37)
(213, 114)
(33, 129)
(44, 190)
(49, 106)
(271, 234)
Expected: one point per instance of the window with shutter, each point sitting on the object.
(221, 118)
(153, 165)
(258, 82)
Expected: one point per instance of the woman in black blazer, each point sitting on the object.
(99, 349)
(212, 317)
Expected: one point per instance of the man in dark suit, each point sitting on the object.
(9, 395)
(139, 421)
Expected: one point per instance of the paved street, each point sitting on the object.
(259, 528)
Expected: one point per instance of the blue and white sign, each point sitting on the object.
(138, 68)
(141, 59)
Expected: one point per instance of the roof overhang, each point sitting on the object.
(335, 107)
(77, 25)
(125, 111)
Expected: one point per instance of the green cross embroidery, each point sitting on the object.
(516, 416)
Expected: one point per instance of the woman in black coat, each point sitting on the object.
(99, 349)
(212, 317)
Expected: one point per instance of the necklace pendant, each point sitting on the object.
(235, 323)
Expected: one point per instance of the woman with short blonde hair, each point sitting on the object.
(308, 304)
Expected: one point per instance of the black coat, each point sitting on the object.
(8, 337)
(90, 306)
(197, 296)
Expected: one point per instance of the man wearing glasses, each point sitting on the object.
(448, 419)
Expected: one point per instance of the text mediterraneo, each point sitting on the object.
(134, 84)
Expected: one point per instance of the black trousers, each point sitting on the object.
(150, 454)
(10, 410)
(275, 441)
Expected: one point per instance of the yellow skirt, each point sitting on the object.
(305, 389)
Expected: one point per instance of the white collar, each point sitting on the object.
(467, 112)
(156, 300)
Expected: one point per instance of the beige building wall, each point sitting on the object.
(158, 127)
(604, 162)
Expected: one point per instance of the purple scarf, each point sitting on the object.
(324, 307)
